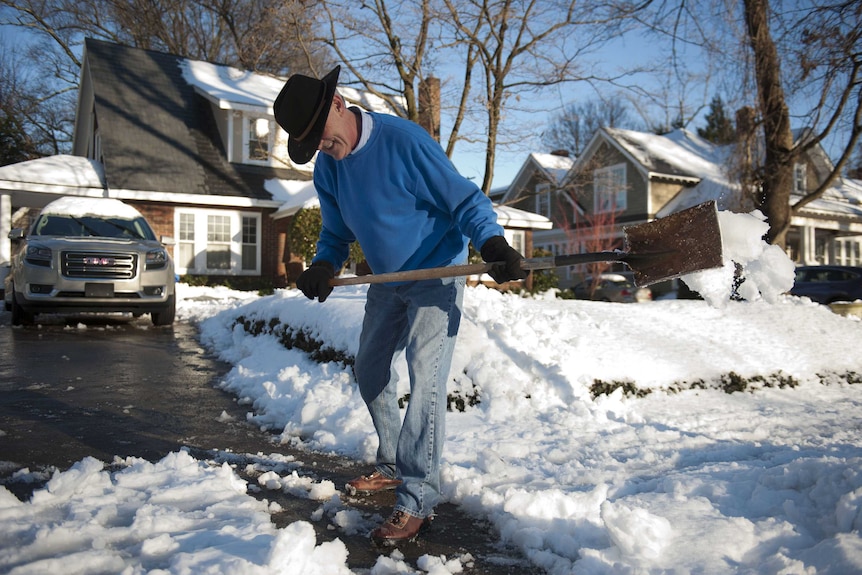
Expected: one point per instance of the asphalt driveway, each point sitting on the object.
(106, 386)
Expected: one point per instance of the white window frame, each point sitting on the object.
(247, 122)
(200, 217)
(518, 240)
(610, 182)
(543, 199)
(800, 178)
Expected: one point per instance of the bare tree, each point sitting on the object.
(525, 47)
(800, 63)
(259, 35)
(777, 169)
(827, 43)
(854, 169)
(572, 129)
(493, 57)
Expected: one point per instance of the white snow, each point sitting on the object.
(684, 479)
(232, 88)
(78, 206)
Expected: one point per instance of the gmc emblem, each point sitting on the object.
(92, 261)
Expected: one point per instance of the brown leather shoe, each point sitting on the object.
(399, 527)
(371, 484)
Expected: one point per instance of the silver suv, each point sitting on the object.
(89, 255)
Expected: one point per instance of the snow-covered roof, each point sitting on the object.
(679, 154)
(54, 174)
(683, 155)
(234, 89)
(554, 168)
(510, 217)
(295, 194)
(555, 165)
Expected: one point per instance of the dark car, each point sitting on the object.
(828, 284)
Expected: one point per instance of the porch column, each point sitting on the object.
(809, 245)
(5, 228)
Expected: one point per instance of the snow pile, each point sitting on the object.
(178, 515)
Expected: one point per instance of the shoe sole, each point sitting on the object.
(390, 542)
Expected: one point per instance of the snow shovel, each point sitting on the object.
(666, 248)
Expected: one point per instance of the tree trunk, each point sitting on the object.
(777, 176)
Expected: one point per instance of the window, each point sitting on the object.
(517, 241)
(609, 189)
(543, 199)
(220, 242)
(249, 243)
(848, 252)
(186, 245)
(259, 139)
(800, 178)
(263, 142)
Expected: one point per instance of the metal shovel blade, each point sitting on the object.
(679, 244)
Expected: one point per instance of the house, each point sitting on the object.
(625, 177)
(194, 147)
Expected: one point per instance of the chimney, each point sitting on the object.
(429, 106)
(561, 152)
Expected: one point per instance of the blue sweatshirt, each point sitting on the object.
(401, 198)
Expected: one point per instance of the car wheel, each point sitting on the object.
(167, 315)
(19, 315)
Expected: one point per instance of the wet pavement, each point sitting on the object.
(106, 386)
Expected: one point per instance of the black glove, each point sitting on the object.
(314, 282)
(507, 260)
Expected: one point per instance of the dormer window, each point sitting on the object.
(263, 142)
(259, 141)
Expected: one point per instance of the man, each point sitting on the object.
(384, 182)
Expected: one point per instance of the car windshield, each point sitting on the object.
(91, 226)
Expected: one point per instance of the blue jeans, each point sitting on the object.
(421, 318)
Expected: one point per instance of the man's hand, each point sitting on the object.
(507, 260)
(314, 282)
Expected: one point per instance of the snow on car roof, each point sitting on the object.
(99, 207)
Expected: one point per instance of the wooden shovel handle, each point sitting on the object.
(476, 269)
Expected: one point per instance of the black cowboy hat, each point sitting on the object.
(302, 108)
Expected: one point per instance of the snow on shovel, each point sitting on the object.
(679, 244)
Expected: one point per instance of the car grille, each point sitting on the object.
(100, 265)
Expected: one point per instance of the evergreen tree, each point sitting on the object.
(15, 145)
(719, 127)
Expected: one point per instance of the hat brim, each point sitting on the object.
(302, 152)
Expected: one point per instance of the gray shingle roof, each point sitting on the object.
(157, 134)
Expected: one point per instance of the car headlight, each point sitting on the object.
(157, 259)
(38, 255)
